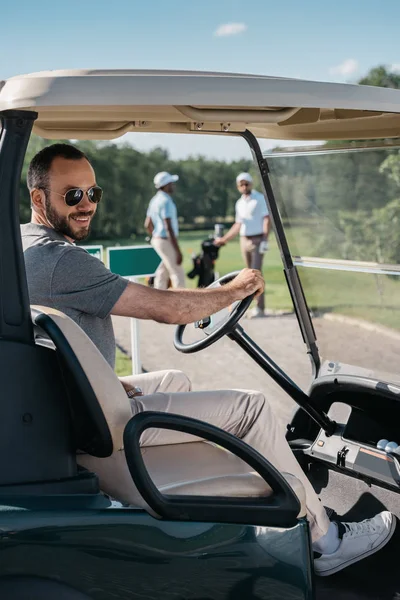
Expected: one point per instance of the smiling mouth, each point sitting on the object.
(82, 219)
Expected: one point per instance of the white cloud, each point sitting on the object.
(230, 29)
(347, 67)
(395, 68)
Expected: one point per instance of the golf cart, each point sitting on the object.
(84, 513)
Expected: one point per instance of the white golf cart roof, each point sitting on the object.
(106, 104)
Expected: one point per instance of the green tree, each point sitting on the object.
(345, 193)
(381, 77)
(206, 188)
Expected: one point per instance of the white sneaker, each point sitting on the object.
(359, 540)
(255, 312)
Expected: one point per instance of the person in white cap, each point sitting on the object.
(253, 223)
(162, 224)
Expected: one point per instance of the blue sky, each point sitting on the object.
(310, 39)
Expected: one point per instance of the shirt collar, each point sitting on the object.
(249, 197)
(37, 229)
(162, 193)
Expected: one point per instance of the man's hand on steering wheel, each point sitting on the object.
(246, 283)
(243, 287)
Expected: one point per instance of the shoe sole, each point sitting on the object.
(360, 556)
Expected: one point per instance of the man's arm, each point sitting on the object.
(266, 226)
(148, 224)
(172, 237)
(234, 230)
(181, 307)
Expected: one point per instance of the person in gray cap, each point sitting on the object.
(162, 224)
(253, 223)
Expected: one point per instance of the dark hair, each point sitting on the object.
(40, 165)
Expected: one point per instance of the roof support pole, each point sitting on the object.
(36, 440)
(15, 318)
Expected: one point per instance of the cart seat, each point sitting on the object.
(193, 468)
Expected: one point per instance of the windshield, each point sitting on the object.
(341, 211)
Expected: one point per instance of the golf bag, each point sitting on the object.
(203, 263)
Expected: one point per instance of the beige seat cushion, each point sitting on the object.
(197, 468)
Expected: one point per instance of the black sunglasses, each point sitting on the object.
(75, 195)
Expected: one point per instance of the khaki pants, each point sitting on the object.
(253, 259)
(245, 414)
(168, 269)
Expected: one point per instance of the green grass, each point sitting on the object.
(359, 295)
(123, 364)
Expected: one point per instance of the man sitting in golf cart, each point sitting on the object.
(64, 198)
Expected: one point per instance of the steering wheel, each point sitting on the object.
(215, 326)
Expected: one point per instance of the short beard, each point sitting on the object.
(61, 224)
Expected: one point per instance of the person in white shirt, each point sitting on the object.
(162, 224)
(252, 222)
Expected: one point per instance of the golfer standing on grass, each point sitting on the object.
(252, 222)
(162, 224)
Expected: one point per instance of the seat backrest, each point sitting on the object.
(98, 400)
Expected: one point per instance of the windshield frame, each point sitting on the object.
(293, 282)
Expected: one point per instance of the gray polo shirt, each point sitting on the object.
(67, 278)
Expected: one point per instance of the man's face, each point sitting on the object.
(72, 221)
(169, 188)
(244, 187)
